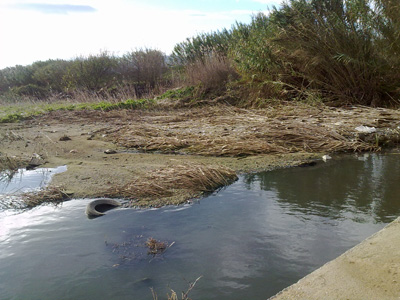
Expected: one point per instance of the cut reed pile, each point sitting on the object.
(174, 184)
(228, 131)
(53, 195)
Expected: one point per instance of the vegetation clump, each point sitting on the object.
(155, 247)
(338, 51)
(174, 184)
(52, 194)
(11, 163)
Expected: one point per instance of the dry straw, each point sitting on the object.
(183, 181)
(54, 195)
(225, 131)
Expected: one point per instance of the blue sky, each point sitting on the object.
(32, 30)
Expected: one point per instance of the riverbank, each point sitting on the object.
(106, 152)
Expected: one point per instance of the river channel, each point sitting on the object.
(248, 241)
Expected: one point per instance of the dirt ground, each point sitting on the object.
(144, 142)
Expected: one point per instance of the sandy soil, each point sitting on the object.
(145, 141)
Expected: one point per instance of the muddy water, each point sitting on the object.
(248, 241)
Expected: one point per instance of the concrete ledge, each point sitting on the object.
(370, 270)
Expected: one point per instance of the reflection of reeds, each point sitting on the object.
(174, 295)
(191, 180)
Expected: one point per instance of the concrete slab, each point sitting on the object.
(370, 270)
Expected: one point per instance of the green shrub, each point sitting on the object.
(11, 118)
(348, 50)
(143, 67)
(91, 73)
(252, 49)
(199, 47)
(178, 93)
(30, 90)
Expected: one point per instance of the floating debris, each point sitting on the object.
(155, 247)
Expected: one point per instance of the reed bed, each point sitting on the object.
(174, 184)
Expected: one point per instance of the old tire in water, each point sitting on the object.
(92, 207)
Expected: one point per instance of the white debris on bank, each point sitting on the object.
(365, 129)
(326, 157)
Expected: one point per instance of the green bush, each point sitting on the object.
(31, 90)
(143, 67)
(347, 50)
(252, 51)
(91, 73)
(200, 47)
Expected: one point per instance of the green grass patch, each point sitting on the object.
(16, 112)
(178, 94)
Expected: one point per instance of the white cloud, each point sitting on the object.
(117, 26)
(268, 2)
(52, 8)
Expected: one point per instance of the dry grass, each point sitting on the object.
(11, 163)
(9, 166)
(230, 131)
(54, 195)
(174, 184)
(213, 72)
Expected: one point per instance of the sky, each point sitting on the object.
(34, 30)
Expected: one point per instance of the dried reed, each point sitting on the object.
(54, 195)
(11, 163)
(155, 247)
(225, 131)
(185, 180)
(174, 295)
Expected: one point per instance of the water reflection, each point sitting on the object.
(24, 180)
(367, 187)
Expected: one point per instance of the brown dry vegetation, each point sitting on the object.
(155, 247)
(54, 195)
(231, 131)
(174, 182)
(217, 142)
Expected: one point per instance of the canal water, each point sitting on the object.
(248, 241)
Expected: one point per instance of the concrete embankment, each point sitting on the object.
(370, 270)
